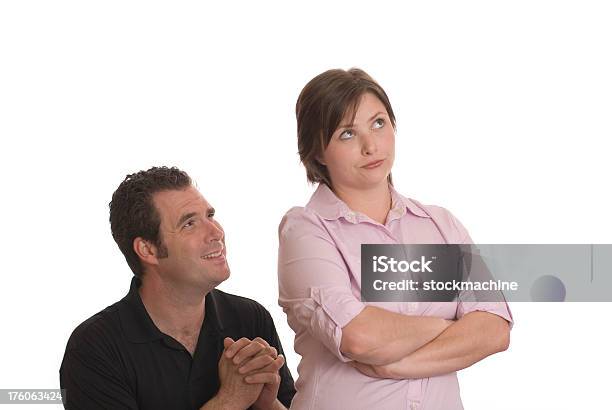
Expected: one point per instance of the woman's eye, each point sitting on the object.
(345, 135)
(379, 123)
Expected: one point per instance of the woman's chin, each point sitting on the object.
(377, 176)
(372, 182)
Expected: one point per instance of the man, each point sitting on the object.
(174, 342)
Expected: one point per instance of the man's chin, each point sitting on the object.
(221, 277)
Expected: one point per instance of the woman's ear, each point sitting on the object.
(321, 161)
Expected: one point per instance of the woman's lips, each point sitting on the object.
(373, 164)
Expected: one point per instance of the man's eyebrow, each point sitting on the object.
(184, 218)
(371, 118)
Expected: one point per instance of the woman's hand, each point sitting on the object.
(396, 370)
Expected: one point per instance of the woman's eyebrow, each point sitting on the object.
(376, 115)
(371, 118)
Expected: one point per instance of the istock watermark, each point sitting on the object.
(486, 273)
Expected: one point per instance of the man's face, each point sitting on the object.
(194, 240)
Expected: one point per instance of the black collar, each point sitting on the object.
(138, 326)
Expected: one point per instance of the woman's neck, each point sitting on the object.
(374, 202)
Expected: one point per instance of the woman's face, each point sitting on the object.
(360, 155)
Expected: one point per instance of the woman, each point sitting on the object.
(368, 355)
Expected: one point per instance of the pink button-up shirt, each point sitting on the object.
(319, 273)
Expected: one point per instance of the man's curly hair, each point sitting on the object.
(133, 214)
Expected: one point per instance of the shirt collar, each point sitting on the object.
(327, 205)
(138, 326)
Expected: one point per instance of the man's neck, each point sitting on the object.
(175, 312)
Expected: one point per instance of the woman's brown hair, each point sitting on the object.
(322, 104)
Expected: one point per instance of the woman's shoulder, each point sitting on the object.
(432, 210)
(443, 218)
(298, 218)
(418, 208)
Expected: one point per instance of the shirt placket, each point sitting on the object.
(406, 307)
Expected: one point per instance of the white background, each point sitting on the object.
(503, 113)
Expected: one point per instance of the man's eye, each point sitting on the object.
(211, 214)
(379, 123)
(348, 134)
(189, 224)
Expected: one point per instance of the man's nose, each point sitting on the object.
(214, 232)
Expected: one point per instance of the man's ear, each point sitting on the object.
(146, 251)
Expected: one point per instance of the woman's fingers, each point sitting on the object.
(365, 369)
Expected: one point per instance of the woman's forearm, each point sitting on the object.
(469, 340)
(377, 336)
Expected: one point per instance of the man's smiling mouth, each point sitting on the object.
(215, 254)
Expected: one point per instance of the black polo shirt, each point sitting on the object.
(119, 359)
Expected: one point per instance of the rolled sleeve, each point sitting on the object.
(468, 302)
(497, 308)
(314, 282)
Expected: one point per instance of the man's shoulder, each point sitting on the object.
(240, 309)
(103, 327)
(235, 302)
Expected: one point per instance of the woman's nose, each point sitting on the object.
(368, 144)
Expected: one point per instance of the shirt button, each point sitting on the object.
(412, 306)
(413, 406)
